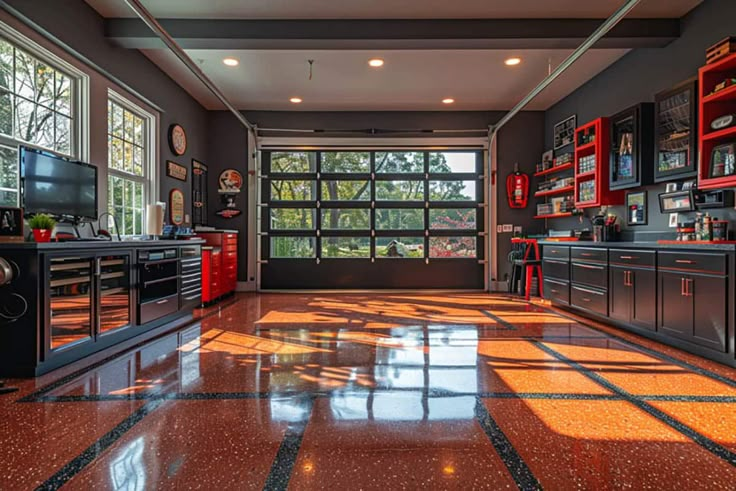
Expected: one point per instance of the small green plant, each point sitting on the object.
(41, 222)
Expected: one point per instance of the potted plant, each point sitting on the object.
(42, 226)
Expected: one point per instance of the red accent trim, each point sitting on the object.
(559, 168)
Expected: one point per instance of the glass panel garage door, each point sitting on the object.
(372, 219)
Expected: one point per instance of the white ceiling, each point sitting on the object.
(393, 9)
(410, 80)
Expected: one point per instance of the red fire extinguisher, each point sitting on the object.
(517, 188)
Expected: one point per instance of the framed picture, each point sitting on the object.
(11, 224)
(564, 132)
(673, 219)
(636, 208)
(176, 171)
(671, 186)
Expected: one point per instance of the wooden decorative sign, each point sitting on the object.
(176, 206)
(176, 171)
(11, 224)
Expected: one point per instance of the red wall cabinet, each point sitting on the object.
(592, 148)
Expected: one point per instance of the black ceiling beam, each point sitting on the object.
(392, 33)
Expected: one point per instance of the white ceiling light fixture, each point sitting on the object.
(512, 61)
(296, 100)
(229, 61)
(448, 100)
(376, 62)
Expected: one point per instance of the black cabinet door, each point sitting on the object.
(676, 117)
(710, 299)
(619, 295)
(643, 298)
(632, 147)
(676, 313)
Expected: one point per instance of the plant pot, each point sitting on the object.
(41, 235)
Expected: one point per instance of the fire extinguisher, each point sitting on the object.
(517, 188)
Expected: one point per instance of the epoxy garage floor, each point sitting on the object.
(380, 391)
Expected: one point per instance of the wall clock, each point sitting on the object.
(177, 139)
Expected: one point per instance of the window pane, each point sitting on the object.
(8, 198)
(129, 126)
(117, 121)
(6, 112)
(395, 162)
(45, 85)
(346, 247)
(139, 130)
(292, 219)
(293, 190)
(452, 191)
(345, 219)
(63, 134)
(63, 94)
(401, 247)
(6, 65)
(138, 168)
(452, 162)
(452, 218)
(294, 162)
(400, 219)
(400, 190)
(292, 247)
(346, 190)
(116, 154)
(25, 80)
(452, 247)
(354, 162)
(8, 167)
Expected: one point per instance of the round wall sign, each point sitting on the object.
(177, 139)
(231, 181)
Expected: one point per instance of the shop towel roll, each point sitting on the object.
(155, 219)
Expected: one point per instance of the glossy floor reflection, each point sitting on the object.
(379, 391)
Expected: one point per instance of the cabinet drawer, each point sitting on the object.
(231, 237)
(557, 291)
(631, 257)
(589, 254)
(589, 299)
(156, 309)
(590, 274)
(693, 261)
(556, 269)
(556, 252)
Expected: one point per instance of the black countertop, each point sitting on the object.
(642, 245)
(96, 244)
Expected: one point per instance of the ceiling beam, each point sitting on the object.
(392, 34)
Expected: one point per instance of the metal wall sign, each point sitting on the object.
(176, 171)
(230, 183)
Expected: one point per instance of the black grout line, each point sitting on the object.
(76, 465)
(285, 460)
(650, 351)
(504, 323)
(663, 417)
(515, 464)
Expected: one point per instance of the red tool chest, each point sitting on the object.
(219, 264)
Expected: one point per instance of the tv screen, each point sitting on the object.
(57, 186)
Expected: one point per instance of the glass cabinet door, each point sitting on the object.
(623, 163)
(115, 312)
(71, 300)
(675, 133)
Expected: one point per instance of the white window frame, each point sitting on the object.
(150, 154)
(79, 141)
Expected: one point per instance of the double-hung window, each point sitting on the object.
(40, 100)
(130, 180)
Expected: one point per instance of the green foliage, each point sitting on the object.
(41, 221)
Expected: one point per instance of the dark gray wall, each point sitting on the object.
(637, 77)
(80, 27)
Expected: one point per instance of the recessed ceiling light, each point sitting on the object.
(231, 61)
(513, 61)
(375, 62)
(296, 100)
(448, 100)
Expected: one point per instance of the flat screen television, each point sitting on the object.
(57, 186)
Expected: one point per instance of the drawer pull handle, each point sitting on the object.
(554, 291)
(586, 254)
(629, 257)
(161, 302)
(588, 266)
(592, 292)
(586, 299)
(684, 261)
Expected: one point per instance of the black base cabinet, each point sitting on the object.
(684, 298)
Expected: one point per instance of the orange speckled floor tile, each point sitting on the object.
(377, 391)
